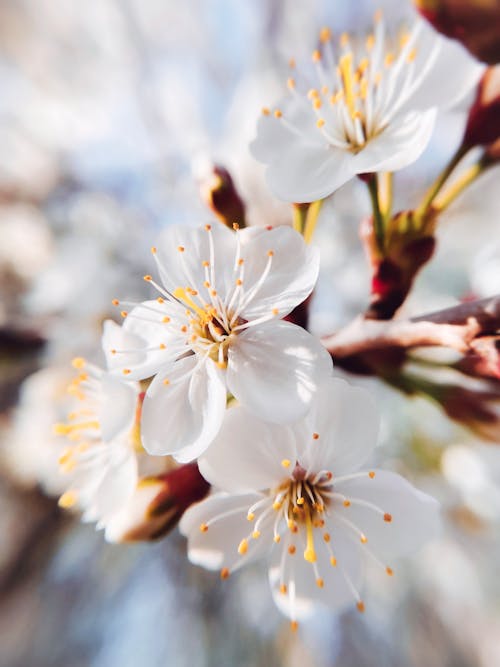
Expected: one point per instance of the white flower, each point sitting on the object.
(364, 107)
(217, 327)
(296, 491)
(104, 434)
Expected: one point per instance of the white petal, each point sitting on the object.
(217, 547)
(293, 274)
(182, 418)
(135, 346)
(274, 370)
(303, 594)
(415, 515)
(247, 453)
(346, 419)
(117, 407)
(185, 269)
(400, 144)
(305, 173)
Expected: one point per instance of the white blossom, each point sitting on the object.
(365, 106)
(103, 432)
(297, 494)
(217, 327)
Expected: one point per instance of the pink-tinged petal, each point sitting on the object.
(411, 517)
(140, 347)
(181, 251)
(302, 594)
(213, 542)
(293, 272)
(117, 407)
(344, 420)
(304, 173)
(247, 453)
(400, 144)
(183, 409)
(274, 370)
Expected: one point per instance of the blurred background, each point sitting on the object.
(111, 115)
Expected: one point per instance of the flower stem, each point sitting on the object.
(378, 218)
(386, 193)
(312, 219)
(456, 188)
(435, 188)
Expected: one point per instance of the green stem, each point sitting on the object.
(432, 192)
(456, 188)
(312, 219)
(378, 218)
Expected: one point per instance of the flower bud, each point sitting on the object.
(157, 505)
(483, 124)
(475, 23)
(220, 195)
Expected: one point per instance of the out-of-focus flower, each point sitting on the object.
(215, 328)
(365, 107)
(157, 505)
(301, 490)
(104, 434)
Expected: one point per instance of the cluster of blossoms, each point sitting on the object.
(211, 370)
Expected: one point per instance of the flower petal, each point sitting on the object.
(117, 408)
(217, 547)
(274, 370)
(345, 420)
(247, 453)
(302, 594)
(291, 278)
(183, 409)
(305, 173)
(414, 515)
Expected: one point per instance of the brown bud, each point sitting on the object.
(474, 23)
(483, 124)
(157, 505)
(220, 195)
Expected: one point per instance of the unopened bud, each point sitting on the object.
(157, 505)
(483, 124)
(220, 194)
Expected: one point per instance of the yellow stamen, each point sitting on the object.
(309, 553)
(243, 547)
(67, 499)
(181, 294)
(345, 64)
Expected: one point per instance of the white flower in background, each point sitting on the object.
(217, 327)
(365, 106)
(103, 430)
(296, 492)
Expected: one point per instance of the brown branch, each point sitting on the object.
(454, 327)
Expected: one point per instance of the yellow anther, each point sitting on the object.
(165, 319)
(283, 589)
(68, 499)
(363, 65)
(292, 63)
(277, 539)
(148, 278)
(371, 474)
(388, 517)
(203, 527)
(363, 539)
(163, 346)
(389, 59)
(315, 436)
(347, 503)
(270, 253)
(160, 299)
(333, 561)
(326, 537)
(404, 39)
(275, 311)
(344, 39)
(115, 302)
(224, 573)
(205, 264)
(294, 626)
(389, 571)
(300, 501)
(250, 516)
(78, 362)
(243, 547)
(291, 83)
(181, 248)
(320, 583)
(411, 56)
(312, 93)
(317, 103)
(316, 56)
(240, 261)
(325, 35)
(286, 463)
(208, 228)
(278, 113)
(236, 226)
(292, 549)
(360, 606)
(266, 111)
(124, 313)
(256, 534)
(277, 505)
(370, 42)
(126, 371)
(166, 382)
